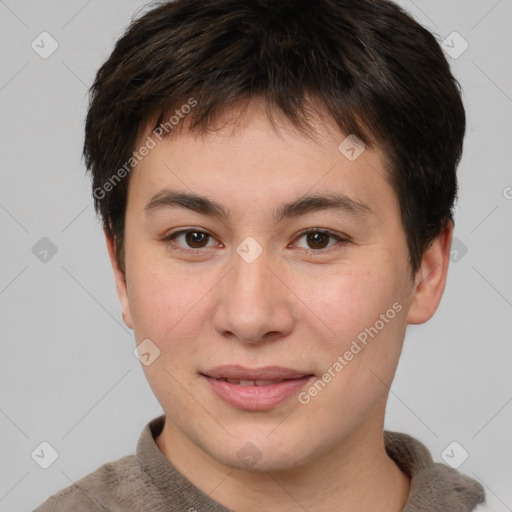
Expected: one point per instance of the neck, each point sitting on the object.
(356, 475)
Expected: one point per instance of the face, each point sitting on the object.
(279, 318)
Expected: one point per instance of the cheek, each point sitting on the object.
(359, 361)
(367, 312)
(167, 301)
(349, 301)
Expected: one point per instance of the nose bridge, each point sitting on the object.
(250, 276)
(254, 303)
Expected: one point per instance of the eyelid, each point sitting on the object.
(326, 231)
(169, 237)
(340, 237)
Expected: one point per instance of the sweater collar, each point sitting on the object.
(434, 486)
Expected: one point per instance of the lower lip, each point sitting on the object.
(257, 398)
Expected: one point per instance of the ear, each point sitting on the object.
(120, 281)
(430, 279)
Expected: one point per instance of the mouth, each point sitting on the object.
(241, 382)
(255, 389)
(264, 374)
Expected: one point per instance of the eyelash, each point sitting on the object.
(341, 239)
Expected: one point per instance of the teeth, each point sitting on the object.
(265, 382)
(252, 382)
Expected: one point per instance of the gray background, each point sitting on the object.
(68, 374)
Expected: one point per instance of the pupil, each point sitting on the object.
(195, 237)
(315, 239)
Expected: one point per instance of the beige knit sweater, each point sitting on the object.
(148, 482)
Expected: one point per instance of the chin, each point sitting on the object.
(270, 463)
(259, 453)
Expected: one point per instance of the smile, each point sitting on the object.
(255, 389)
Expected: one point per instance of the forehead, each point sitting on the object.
(246, 159)
(237, 124)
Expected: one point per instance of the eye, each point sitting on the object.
(318, 239)
(192, 239)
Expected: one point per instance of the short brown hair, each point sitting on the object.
(378, 73)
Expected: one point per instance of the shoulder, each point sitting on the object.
(112, 487)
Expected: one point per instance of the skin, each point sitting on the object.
(296, 306)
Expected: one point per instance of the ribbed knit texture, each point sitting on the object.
(148, 482)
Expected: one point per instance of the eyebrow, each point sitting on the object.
(302, 206)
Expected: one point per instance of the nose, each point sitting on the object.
(255, 304)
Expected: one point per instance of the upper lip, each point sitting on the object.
(264, 373)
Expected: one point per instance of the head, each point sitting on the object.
(249, 124)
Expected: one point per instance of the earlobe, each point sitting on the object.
(120, 279)
(430, 279)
